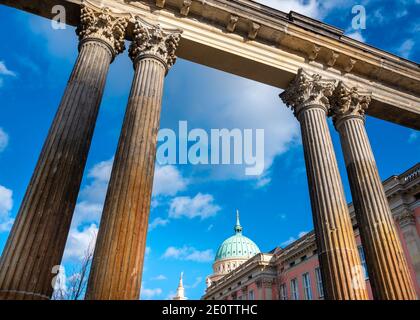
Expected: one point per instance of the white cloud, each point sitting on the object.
(4, 140)
(378, 17)
(95, 191)
(282, 216)
(414, 135)
(4, 71)
(406, 47)
(6, 224)
(61, 43)
(6, 201)
(293, 239)
(79, 243)
(202, 205)
(288, 241)
(147, 293)
(302, 233)
(102, 170)
(309, 8)
(316, 9)
(357, 35)
(246, 104)
(168, 181)
(87, 212)
(92, 196)
(197, 281)
(158, 222)
(6, 204)
(189, 254)
(148, 250)
(160, 277)
(263, 181)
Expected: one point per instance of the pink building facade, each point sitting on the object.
(292, 273)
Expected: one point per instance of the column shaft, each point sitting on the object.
(388, 271)
(37, 239)
(119, 253)
(337, 251)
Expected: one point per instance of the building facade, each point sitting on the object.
(293, 272)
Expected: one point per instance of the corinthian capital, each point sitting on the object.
(101, 24)
(307, 90)
(152, 41)
(348, 102)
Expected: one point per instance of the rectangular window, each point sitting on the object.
(307, 286)
(251, 295)
(283, 292)
(319, 286)
(294, 289)
(363, 260)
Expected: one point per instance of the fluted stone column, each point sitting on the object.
(118, 259)
(37, 239)
(387, 267)
(340, 263)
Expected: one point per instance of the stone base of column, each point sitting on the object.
(18, 295)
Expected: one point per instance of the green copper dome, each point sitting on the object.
(237, 246)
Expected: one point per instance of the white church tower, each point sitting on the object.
(180, 291)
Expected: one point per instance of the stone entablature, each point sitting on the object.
(269, 46)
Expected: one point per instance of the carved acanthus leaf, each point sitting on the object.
(152, 40)
(306, 90)
(347, 101)
(101, 24)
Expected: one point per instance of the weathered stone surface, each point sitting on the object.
(340, 263)
(36, 242)
(387, 267)
(118, 259)
(102, 25)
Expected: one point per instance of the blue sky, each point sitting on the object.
(193, 206)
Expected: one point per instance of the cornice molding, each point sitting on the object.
(283, 44)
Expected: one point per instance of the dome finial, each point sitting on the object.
(238, 227)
